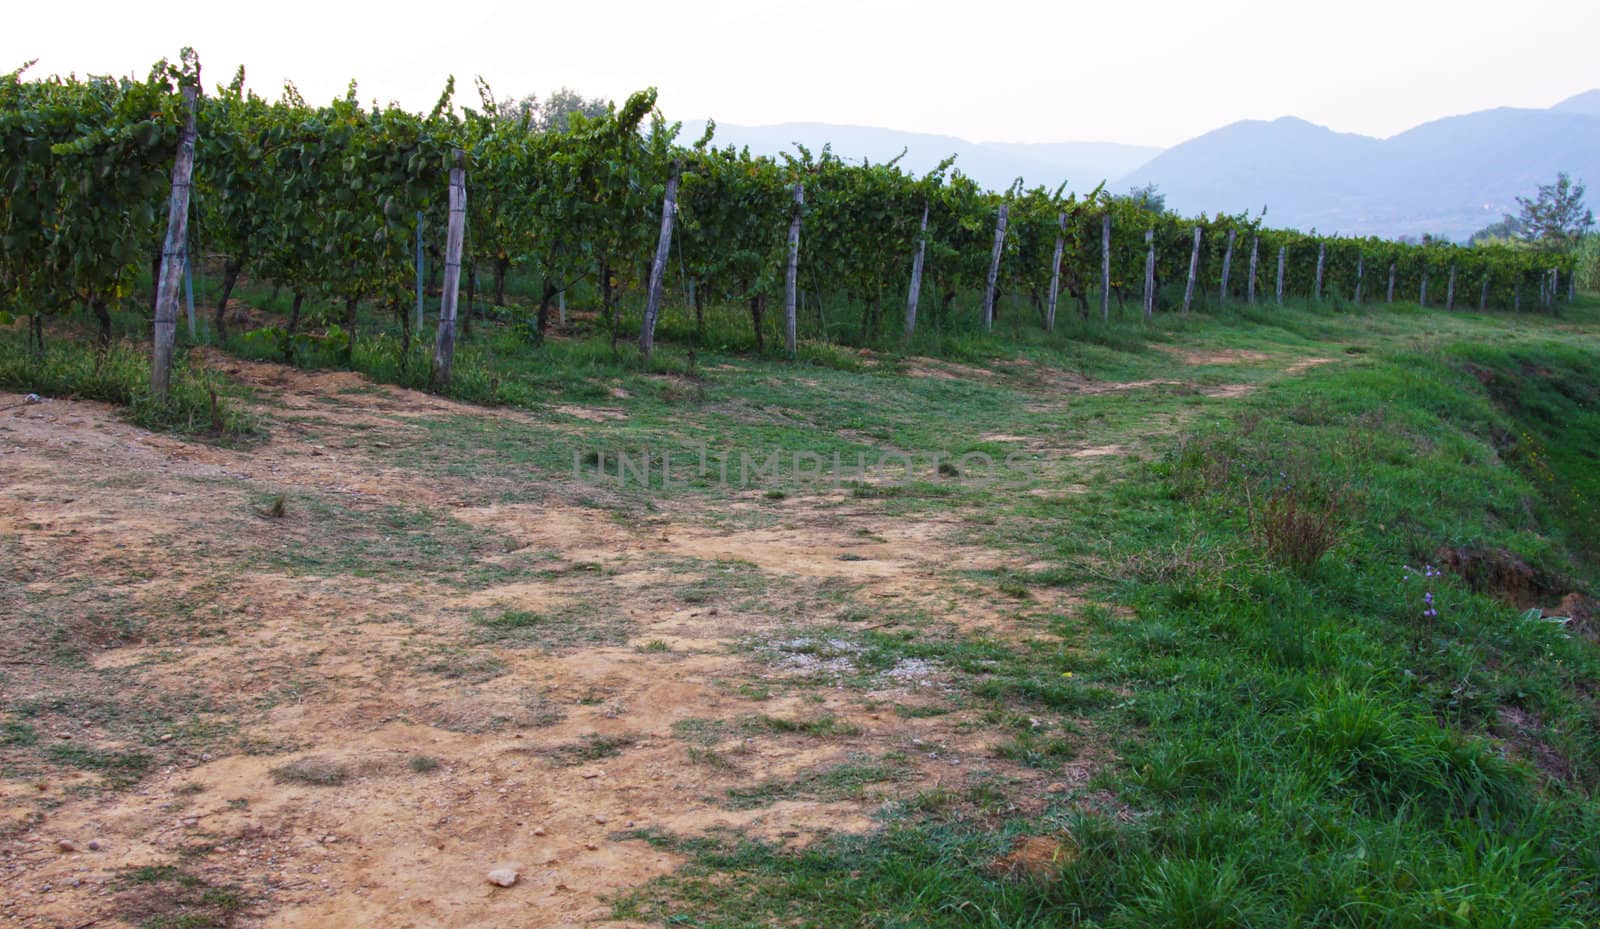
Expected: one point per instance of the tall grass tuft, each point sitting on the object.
(1296, 526)
(120, 374)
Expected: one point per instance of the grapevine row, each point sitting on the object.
(329, 201)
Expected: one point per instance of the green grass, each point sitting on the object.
(821, 727)
(198, 402)
(573, 626)
(593, 747)
(423, 764)
(169, 897)
(848, 780)
(1297, 744)
(312, 770)
(118, 767)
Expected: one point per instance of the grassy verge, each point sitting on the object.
(198, 401)
(1338, 708)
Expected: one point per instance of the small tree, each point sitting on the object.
(1149, 197)
(1556, 219)
(554, 113)
(1507, 229)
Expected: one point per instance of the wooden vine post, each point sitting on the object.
(1361, 274)
(173, 252)
(1483, 294)
(994, 265)
(791, 278)
(658, 268)
(1149, 273)
(1450, 291)
(1055, 272)
(1283, 253)
(1390, 297)
(444, 346)
(1227, 266)
(188, 292)
(421, 287)
(915, 292)
(1105, 267)
(1422, 296)
(1194, 271)
(1322, 255)
(1255, 249)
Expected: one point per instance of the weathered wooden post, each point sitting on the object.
(420, 285)
(1283, 252)
(1422, 295)
(173, 252)
(994, 265)
(1149, 273)
(1361, 273)
(444, 346)
(658, 267)
(1055, 272)
(914, 293)
(1255, 248)
(1227, 266)
(188, 291)
(1105, 267)
(1322, 254)
(1390, 297)
(1194, 271)
(791, 279)
(1450, 291)
(1483, 294)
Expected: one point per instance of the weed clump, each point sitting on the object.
(166, 895)
(1296, 527)
(314, 770)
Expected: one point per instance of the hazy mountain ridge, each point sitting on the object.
(1586, 102)
(1449, 176)
(992, 164)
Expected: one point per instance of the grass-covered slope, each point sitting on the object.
(1388, 733)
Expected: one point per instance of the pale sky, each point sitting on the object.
(1152, 72)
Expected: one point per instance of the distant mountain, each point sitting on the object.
(1451, 176)
(992, 164)
(1586, 102)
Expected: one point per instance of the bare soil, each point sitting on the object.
(305, 697)
(349, 713)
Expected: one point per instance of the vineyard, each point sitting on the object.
(466, 519)
(343, 206)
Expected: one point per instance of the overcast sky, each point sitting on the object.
(1150, 72)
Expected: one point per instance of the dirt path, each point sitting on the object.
(349, 713)
(352, 725)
